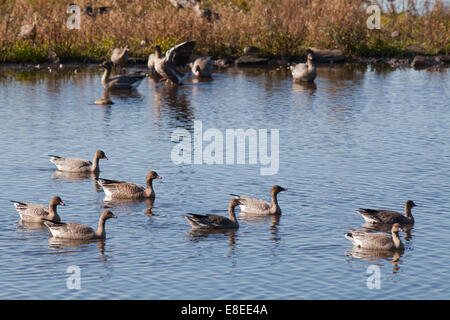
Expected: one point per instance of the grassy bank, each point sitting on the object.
(278, 27)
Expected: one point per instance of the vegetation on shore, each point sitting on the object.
(280, 28)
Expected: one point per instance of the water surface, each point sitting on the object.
(358, 137)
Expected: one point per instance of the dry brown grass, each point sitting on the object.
(278, 27)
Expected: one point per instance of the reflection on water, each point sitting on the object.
(375, 255)
(126, 205)
(62, 245)
(359, 135)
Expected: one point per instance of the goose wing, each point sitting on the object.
(120, 187)
(67, 164)
(253, 205)
(179, 55)
(70, 230)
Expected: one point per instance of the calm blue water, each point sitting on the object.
(359, 137)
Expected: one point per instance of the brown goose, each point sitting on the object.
(305, 71)
(77, 231)
(212, 221)
(78, 165)
(121, 81)
(30, 212)
(388, 217)
(126, 190)
(377, 241)
(177, 56)
(250, 205)
(202, 67)
(119, 56)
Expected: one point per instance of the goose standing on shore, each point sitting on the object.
(121, 81)
(127, 190)
(212, 221)
(78, 165)
(177, 56)
(77, 231)
(305, 71)
(388, 217)
(376, 241)
(202, 67)
(254, 206)
(30, 212)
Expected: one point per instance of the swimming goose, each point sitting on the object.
(388, 217)
(30, 212)
(119, 56)
(78, 165)
(121, 81)
(175, 57)
(256, 206)
(376, 241)
(304, 71)
(126, 190)
(202, 67)
(77, 231)
(212, 221)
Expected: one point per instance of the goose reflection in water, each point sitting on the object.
(302, 87)
(376, 255)
(65, 244)
(129, 205)
(197, 235)
(175, 102)
(78, 176)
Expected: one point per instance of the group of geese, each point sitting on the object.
(250, 206)
(168, 66)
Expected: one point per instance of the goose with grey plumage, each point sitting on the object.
(373, 216)
(212, 221)
(122, 81)
(31, 212)
(78, 165)
(305, 72)
(202, 67)
(376, 241)
(77, 231)
(115, 189)
(254, 206)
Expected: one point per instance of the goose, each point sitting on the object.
(119, 56)
(305, 71)
(28, 31)
(205, 13)
(388, 217)
(377, 241)
(256, 206)
(202, 67)
(30, 212)
(151, 63)
(78, 165)
(77, 231)
(175, 57)
(212, 221)
(126, 190)
(121, 81)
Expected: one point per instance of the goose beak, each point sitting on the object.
(62, 203)
(114, 216)
(158, 177)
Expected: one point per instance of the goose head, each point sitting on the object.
(99, 154)
(107, 214)
(56, 201)
(277, 189)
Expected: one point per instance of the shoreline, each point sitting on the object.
(430, 61)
